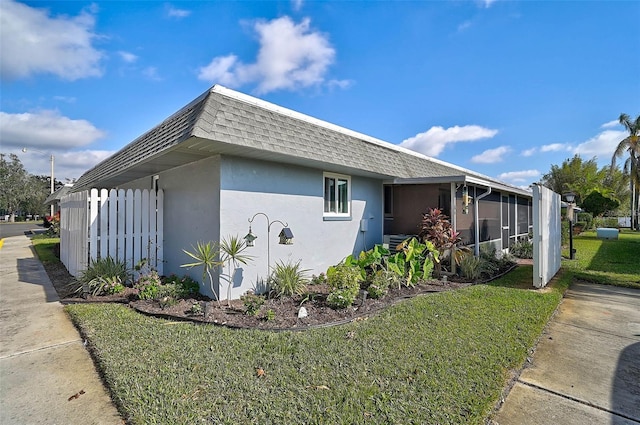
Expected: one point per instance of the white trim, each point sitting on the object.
(336, 215)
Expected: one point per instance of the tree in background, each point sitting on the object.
(575, 175)
(631, 146)
(14, 183)
(21, 191)
(598, 204)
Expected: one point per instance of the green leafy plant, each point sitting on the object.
(381, 282)
(321, 279)
(106, 267)
(185, 285)
(231, 253)
(105, 285)
(344, 281)
(252, 303)
(148, 285)
(471, 267)
(206, 256)
(269, 315)
(522, 249)
(196, 308)
(288, 279)
(414, 261)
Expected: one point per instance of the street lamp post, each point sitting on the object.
(570, 197)
(52, 181)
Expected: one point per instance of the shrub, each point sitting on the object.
(605, 222)
(564, 232)
(344, 281)
(321, 279)
(341, 298)
(587, 218)
(415, 261)
(471, 267)
(288, 279)
(522, 249)
(106, 267)
(381, 282)
(436, 228)
(185, 285)
(105, 285)
(252, 303)
(269, 315)
(148, 286)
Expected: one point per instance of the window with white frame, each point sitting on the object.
(337, 195)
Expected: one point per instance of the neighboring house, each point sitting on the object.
(55, 197)
(227, 156)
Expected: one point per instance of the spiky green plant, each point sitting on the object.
(207, 256)
(288, 279)
(231, 252)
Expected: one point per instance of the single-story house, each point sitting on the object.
(55, 197)
(227, 156)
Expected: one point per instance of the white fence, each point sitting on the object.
(124, 225)
(547, 235)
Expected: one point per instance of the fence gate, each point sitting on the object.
(124, 225)
(546, 235)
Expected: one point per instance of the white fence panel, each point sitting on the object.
(124, 225)
(546, 235)
(73, 232)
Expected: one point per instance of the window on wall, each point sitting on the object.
(337, 195)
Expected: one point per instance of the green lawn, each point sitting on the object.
(437, 359)
(44, 246)
(612, 262)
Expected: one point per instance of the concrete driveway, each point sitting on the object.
(586, 368)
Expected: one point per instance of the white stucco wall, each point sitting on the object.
(191, 211)
(293, 195)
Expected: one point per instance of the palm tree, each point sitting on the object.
(630, 145)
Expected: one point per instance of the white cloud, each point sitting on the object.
(555, 147)
(174, 12)
(528, 152)
(66, 99)
(602, 145)
(67, 165)
(46, 130)
(33, 42)
(487, 3)
(297, 4)
(151, 73)
(290, 56)
(520, 176)
(341, 84)
(433, 141)
(127, 57)
(464, 26)
(491, 156)
(610, 124)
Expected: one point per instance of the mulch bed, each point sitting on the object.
(284, 314)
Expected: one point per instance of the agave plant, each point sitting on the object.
(206, 256)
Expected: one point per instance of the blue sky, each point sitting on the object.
(504, 88)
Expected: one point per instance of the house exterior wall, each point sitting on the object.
(293, 195)
(191, 211)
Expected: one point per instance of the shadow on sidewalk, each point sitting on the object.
(31, 271)
(625, 397)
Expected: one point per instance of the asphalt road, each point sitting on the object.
(16, 229)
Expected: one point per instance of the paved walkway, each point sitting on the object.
(43, 361)
(586, 368)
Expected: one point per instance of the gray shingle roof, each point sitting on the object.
(223, 121)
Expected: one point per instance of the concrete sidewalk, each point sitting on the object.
(586, 368)
(43, 361)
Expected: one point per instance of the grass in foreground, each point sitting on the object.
(611, 262)
(437, 359)
(44, 246)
